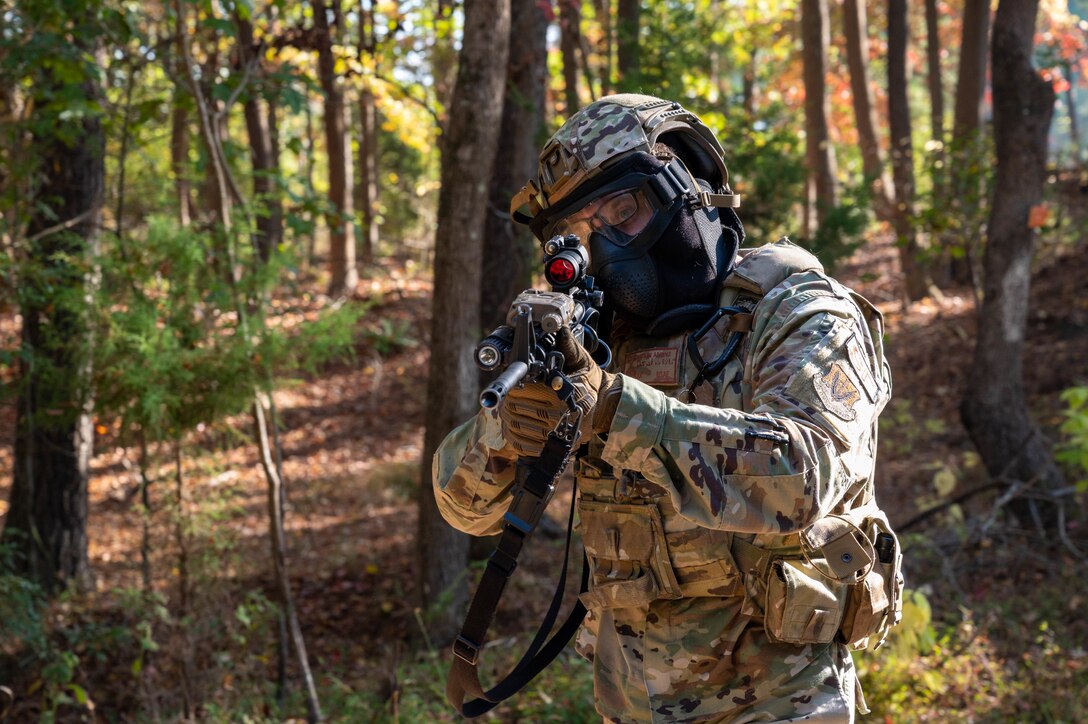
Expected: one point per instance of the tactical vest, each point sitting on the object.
(641, 550)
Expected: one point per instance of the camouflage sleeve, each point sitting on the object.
(472, 472)
(818, 383)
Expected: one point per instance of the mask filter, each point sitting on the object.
(634, 289)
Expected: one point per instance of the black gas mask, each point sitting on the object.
(655, 249)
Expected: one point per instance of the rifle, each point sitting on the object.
(524, 347)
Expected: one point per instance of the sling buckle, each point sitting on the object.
(466, 650)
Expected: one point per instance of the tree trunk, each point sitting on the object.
(914, 277)
(749, 89)
(468, 146)
(343, 273)
(367, 190)
(266, 203)
(310, 149)
(569, 20)
(994, 409)
(47, 521)
(933, 62)
(367, 193)
(603, 11)
(179, 148)
(819, 154)
(273, 228)
(444, 58)
(966, 147)
(967, 118)
(1071, 104)
(857, 56)
(509, 249)
(627, 50)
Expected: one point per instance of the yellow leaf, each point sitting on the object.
(944, 482)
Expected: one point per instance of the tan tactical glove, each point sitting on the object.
(596, 392)
(530, 412)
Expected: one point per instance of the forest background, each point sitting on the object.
(248, 247)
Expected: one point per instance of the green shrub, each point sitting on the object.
(1073, 451)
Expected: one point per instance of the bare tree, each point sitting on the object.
(994, 409)
(344, 275)
(857, 57)
(914, 274)
(468, 152)
(820, 155)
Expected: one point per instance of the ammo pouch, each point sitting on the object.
(804, 605)
(848, 581)
(628, 553)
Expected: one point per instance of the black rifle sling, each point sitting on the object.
(536, 482)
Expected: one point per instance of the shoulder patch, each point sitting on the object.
(837, 391)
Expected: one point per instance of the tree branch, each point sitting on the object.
(62, 226)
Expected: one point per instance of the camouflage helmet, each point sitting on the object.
(596, 138)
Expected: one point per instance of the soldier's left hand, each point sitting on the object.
(596, 392)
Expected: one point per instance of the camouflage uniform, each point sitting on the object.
(681, 501)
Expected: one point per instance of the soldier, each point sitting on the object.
(725, 491)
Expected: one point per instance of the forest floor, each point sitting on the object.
(1008, 636)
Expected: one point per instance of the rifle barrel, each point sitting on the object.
(493, 393)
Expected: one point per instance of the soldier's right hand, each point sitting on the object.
(528, 414)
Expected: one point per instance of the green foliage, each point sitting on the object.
(57, 646)
(842, 228)
(387, 336)
(406, 176)
(22, 629)
(172, 351)
(957, 207)
(1073, 451)
(1002, 661)
(766, 167)
(901, 424)
(396, 690)
(561, 693)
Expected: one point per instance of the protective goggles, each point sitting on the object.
(619, 217)
(620, 209)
